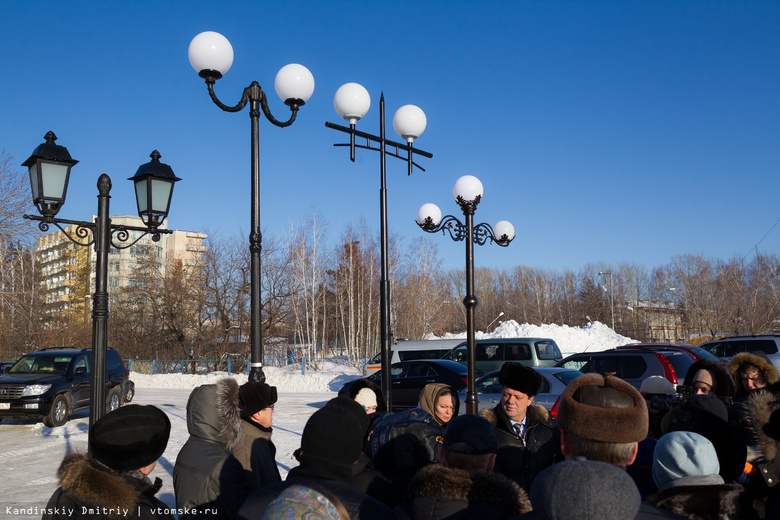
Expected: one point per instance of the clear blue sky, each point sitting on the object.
(604, 131)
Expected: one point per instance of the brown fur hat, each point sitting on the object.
(520, 377)
(603, 408)
(761, 362)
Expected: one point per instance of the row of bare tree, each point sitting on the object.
(317, 297)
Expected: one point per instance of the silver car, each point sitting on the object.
(488, 389)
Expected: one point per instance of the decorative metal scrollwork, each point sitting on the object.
(459, 232)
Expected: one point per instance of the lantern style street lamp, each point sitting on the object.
(211, 55)
(49, 167)
(467, 192)
(352, 102)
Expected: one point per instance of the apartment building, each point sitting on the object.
(68, 270)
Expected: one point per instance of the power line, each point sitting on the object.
(755, 247)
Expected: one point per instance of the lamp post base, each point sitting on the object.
(256, 375)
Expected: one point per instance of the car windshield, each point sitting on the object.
(48, 363)
(568, 376)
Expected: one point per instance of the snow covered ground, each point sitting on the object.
(31, 452)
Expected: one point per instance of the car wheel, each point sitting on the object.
(129, 394)
(59, 413)
(114, 399)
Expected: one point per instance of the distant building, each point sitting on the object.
(68, 270)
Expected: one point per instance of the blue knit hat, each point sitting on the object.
(683, 454)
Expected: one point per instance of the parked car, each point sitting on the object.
(409, 378)
(554, 381)
(633, 365)
(53, 383)
(492, 353)
(405, 350)
(696, 353)
(727, 348)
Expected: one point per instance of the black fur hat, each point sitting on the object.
(130, 437)
(254, 396)
(521, 378)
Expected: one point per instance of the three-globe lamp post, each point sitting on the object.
(49, 169)
(352, 102)
(211, 55)
(468, 192)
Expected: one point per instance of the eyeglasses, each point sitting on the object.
(270, 406)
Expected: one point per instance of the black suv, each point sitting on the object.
(633, 365)
(52, 383)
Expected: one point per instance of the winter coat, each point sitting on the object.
(438, 492)
(402, 443)
(523, 459)
(93, 491)
(357, 504)
(257, 454)
(208, 480)
(762, 486)
(763, 365)
(382, 485)
(693, 499)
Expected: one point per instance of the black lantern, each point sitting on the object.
(49, 167)
(153, 189)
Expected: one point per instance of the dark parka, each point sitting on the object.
(93, 491)
(206, 474)
(438, 493)
(403, 443)
(523, 459)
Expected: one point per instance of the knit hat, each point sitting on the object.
(584, 490)
(657, 385)
(683, 454)
(354, 407)
(520, 377)
(705, 377)
(722, 380)
(331, 441)
(470, 434)
(254, 396)
(301, 502)
(130, 437)
(366, 397)
(603, 408)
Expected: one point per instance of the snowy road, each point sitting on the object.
(32, 452)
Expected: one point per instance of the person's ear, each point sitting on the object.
(565, 445)
(491, 462)
(633, 454)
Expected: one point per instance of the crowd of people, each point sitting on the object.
(705, 450)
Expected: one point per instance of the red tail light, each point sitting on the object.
(554, 410)
(669, 372)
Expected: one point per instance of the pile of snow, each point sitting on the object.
(593, 337)
(329, 378)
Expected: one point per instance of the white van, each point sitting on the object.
(405, 350)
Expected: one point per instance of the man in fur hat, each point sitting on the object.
(112, 482)
(254, 448)
(603, 418)
(528, 441)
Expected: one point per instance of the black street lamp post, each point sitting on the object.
(211, 55)
(467, 192)
(352, 102)
(49, 167)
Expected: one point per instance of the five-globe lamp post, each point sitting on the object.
(211, 55)
(352, 102)
(467, 192)
(49, 168)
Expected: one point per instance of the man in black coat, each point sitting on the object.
(112, 481)
(528, 441)
(331, 444)
(464, 485)
(254, 448)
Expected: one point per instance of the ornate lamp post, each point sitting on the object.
(211, 55)
(49, 167)
(352, 102)
(467, 192)
(611, 295)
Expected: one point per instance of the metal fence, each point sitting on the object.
(230, 366)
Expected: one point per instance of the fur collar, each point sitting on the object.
(764, 366)
(457, 484)
(761, 405)
(91, 485)
(227, 406)
(536, 413)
